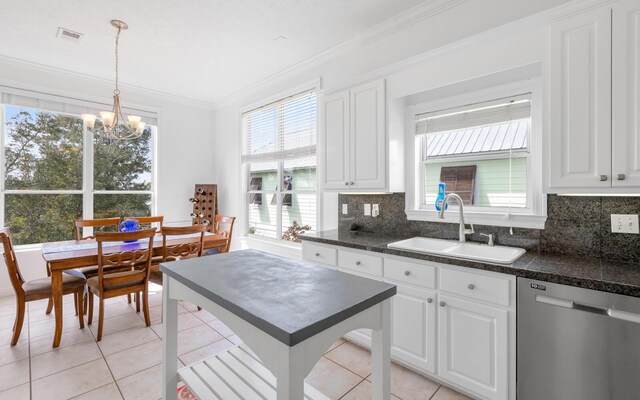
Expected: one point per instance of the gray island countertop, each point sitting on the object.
(289, 300)
(587, 272)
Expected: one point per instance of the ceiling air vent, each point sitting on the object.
(64, 33)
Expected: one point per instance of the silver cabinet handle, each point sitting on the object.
(317, 254)
(350, 183)
(442, 304)
(346, 183)
(429, 300)
(407, 273)
(357, 262)
(621, 177)
(603, 178)
(471, 286)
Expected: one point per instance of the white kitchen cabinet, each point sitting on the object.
(626, 94)
(473, 346)
(593, 140)
(353, 139)
(413, 327)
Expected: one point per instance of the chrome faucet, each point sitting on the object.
(463, 230)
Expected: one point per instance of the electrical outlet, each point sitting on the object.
(375, 210)
(367, 210)
(624, 223)
(345, 209)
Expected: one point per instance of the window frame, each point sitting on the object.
(245, 191)
(532, 216)
(87, 190)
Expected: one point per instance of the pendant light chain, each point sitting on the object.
(117, 91)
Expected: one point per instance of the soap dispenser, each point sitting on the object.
(440, 197)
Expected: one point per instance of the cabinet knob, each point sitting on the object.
(351, 183)
(407, 273)
(621, 177)
(603, 178)
(346, 183)
(429, 300)
(471, 286)
(442, 304)
(317, 254)
(357, 262)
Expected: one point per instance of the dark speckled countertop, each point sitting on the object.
(586, 272)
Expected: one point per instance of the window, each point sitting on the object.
(55, 171)
(484, 146)
(279, 145)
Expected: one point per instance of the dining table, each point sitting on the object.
(71, 254)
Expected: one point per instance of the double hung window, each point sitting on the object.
(279, 158)
(55, 170)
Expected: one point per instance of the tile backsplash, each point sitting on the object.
(575, 225)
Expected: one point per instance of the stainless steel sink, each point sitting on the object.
(465, 250)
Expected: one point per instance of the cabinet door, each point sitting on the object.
(626, 94)
(335, 141)
(413, 327)
(368, 162)
(579, 138)
(473, 346)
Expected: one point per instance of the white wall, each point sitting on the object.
(185, 140)
(408, 68)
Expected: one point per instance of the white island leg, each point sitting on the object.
(170, 318)
(381, 355)
(290, 378)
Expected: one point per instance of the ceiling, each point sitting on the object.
(207, 50)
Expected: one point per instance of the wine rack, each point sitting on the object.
(205, 205)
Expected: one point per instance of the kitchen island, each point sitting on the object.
(286, 312)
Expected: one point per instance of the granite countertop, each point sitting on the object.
(586, 272)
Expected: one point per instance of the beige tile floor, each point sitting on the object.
(127, 362)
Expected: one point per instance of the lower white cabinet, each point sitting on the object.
(473, 346)
(454, 324)
(413, 327)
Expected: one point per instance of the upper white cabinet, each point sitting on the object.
(626, 94)
(353, 139)
(593, 137)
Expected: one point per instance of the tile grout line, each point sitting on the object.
(352, 389)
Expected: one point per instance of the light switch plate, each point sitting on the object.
(375, 210)
(367, 210)
(345, 209)
(624, 223)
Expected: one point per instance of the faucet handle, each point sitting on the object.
(469, 231)
(490, 236)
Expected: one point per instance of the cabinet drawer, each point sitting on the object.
(359, 262)
(319, 254)
(410, 272)
(492, 289)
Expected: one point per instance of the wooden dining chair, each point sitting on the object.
(36, 289)
(156, 219)
(224, 226)
(94, 223)
(134, 280)
(188, 247)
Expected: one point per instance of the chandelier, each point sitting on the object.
(112, 124)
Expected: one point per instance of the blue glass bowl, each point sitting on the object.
(129, 226)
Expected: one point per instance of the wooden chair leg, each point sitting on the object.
(79, 308)
(90, 312)
(100, 320)
(49, 306)
(129, 298)
(20, 306)
(84, 303)
(137, 299)
(145, 295)
(199, 308)
(75, 302)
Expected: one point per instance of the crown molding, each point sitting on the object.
(387, 28)
(411, 17)
(138, 90)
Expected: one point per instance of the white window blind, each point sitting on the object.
(475, 115)
(281, 130)
(47, 102)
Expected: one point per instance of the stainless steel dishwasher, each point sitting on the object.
(576, 344)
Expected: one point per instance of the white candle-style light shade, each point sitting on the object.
(134, 121)
(107, 118)
(89, 120)
(140, 128)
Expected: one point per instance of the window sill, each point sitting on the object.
(279, 247)
(481, 218)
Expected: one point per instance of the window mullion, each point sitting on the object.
(87, 178)
(2, 162)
